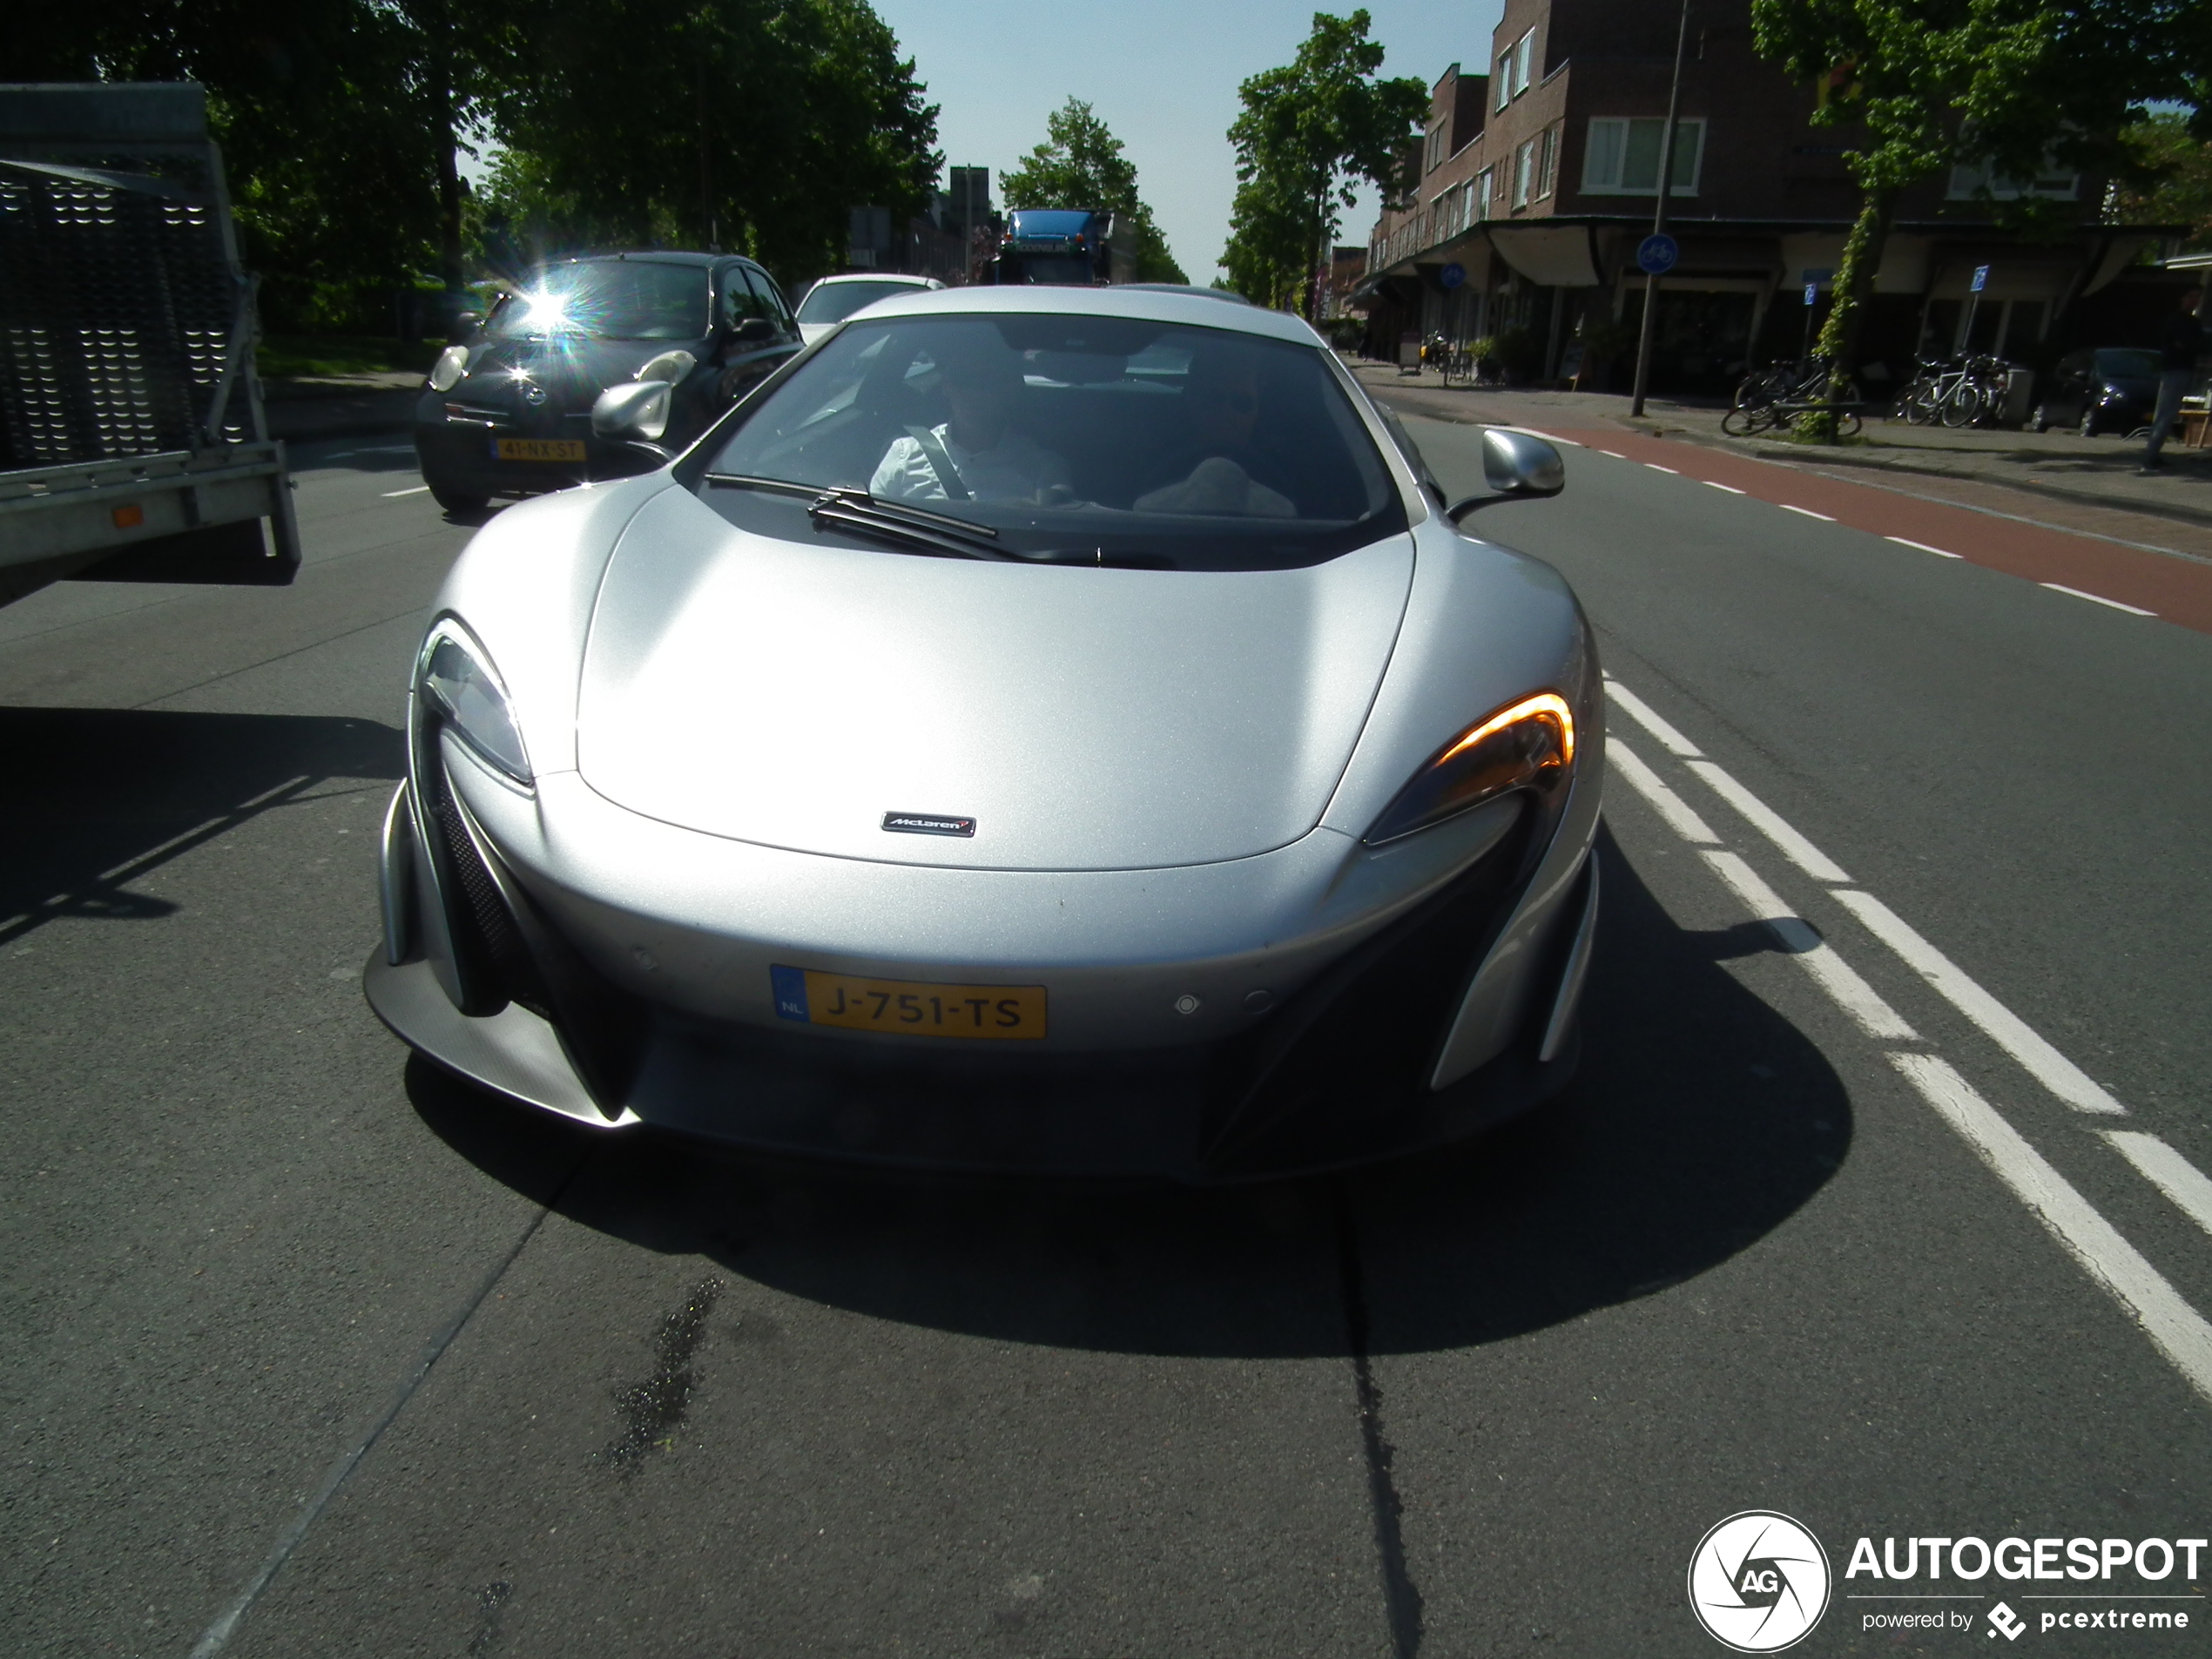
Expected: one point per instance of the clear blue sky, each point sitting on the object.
(1162, 74)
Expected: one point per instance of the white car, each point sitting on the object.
(830, 301)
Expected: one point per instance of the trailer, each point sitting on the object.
(1065, 246)
(133, 445)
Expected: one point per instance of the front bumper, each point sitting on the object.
(655, 1011)
(456, 452)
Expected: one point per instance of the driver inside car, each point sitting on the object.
(979, 454)
(1224, 393)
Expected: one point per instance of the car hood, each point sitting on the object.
(568, 367)
(1085, 719)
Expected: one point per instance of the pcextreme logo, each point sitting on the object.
(1758, 1581)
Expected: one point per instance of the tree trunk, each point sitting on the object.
(1854, 283)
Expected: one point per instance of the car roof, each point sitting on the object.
(1150, 305)
(904, 279)
(648, 256)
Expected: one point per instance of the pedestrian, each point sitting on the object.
(2181, 343)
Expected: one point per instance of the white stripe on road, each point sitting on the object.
(1616, 454)
(2003, 1027)
(417, 490)
(1922, 546)
(2097, 599)
(1656, 466)
(1645, 716)
(1713, 484)
(2169, 1171)
(1663, 801)
(1826, 518)
(1771, 824)
(1833, 975)
(2177, 1329)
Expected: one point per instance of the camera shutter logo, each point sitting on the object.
(1758, 1581)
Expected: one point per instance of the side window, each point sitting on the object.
(739, 301)
(769, 298)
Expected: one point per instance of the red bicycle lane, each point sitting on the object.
(2172, 590)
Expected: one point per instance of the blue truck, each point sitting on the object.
(1061, 245)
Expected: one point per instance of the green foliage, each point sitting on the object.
(1081, 165)
(2016, 83)
(2174, 178)
(1310, 133)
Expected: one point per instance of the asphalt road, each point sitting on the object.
(476, 1383)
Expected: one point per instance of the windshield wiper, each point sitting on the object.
(857, 510)
(780, 486)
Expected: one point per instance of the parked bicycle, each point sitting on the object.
(1783, 393)
(1958, 394)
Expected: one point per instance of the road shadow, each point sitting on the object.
(99, 797)
(1699, 1121)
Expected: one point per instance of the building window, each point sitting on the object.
(1524, 52)
(1967, 183)
(1546, 162)
(1436, 142)
(1524, 168)
(1623, 158)
(1504, 78)
(1485, 185)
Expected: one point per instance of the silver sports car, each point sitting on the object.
(1040, 729)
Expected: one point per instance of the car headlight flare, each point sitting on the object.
(447, 372)
(455, 676)
(1526, 744)
(669, 366)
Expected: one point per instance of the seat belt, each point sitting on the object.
(939, 462)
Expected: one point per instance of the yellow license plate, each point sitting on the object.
(910, 1008)
(538, 448)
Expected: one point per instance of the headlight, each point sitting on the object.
(1529, 742)
(453, 673)
(669, 366)
(452, 364)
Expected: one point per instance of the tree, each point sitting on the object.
(1268, 254)
(2018, 84)
(1310, 133)
(2175, 183)
(1081, 165)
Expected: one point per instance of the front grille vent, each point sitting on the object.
(499, 941)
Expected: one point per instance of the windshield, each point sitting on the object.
(827, 302)
(1072, 438)
(2130, 365)
(607, 300)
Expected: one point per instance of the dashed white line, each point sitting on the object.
(2096, 599)
(2178, 1330)
(1826, 518)
(2169, 1171)
(1645, 716)
(1923, 547)
(1647, 783)
(1712, 483)
(417, 490)
(1771, 824)
(1616, 454)
(1656, 466)
(2003, 1027)
(1834, 975)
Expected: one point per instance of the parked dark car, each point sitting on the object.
(2112, 389)
(509, 411)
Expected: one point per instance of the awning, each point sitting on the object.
(1552, 256)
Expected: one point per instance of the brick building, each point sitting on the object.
(1537, 179)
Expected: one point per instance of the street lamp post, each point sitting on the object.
(1659, 218)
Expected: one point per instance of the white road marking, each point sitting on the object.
(1616, 454)
(2165, 1171)
(2003, 1027)
(1669, 805)
(2169, 1171)
(1923, 547)
(2178, 1330)
(1645, 716)
(417, 490)
(1656, 466)
(1771, 824)
(2097, 599)
(1731, 489)
(1826, 518)
(1831, 972)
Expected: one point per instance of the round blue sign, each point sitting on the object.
(1656, 253)
(1453, 275)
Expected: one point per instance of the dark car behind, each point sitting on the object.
(2112, 388)
(509, 411)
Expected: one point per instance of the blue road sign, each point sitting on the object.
(1812, 294)
(1981, 278)
(1656, 253)
(1453, 275)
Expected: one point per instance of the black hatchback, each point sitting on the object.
(2114, 388)
(508, 411)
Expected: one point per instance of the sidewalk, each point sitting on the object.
(343, 406)
(2049, 476)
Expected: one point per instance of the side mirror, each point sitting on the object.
(635, 412)
(1517, 467)
(755, 331)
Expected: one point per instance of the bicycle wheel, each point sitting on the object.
(1847, 423)
(1963, 406)
(1748, 420)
